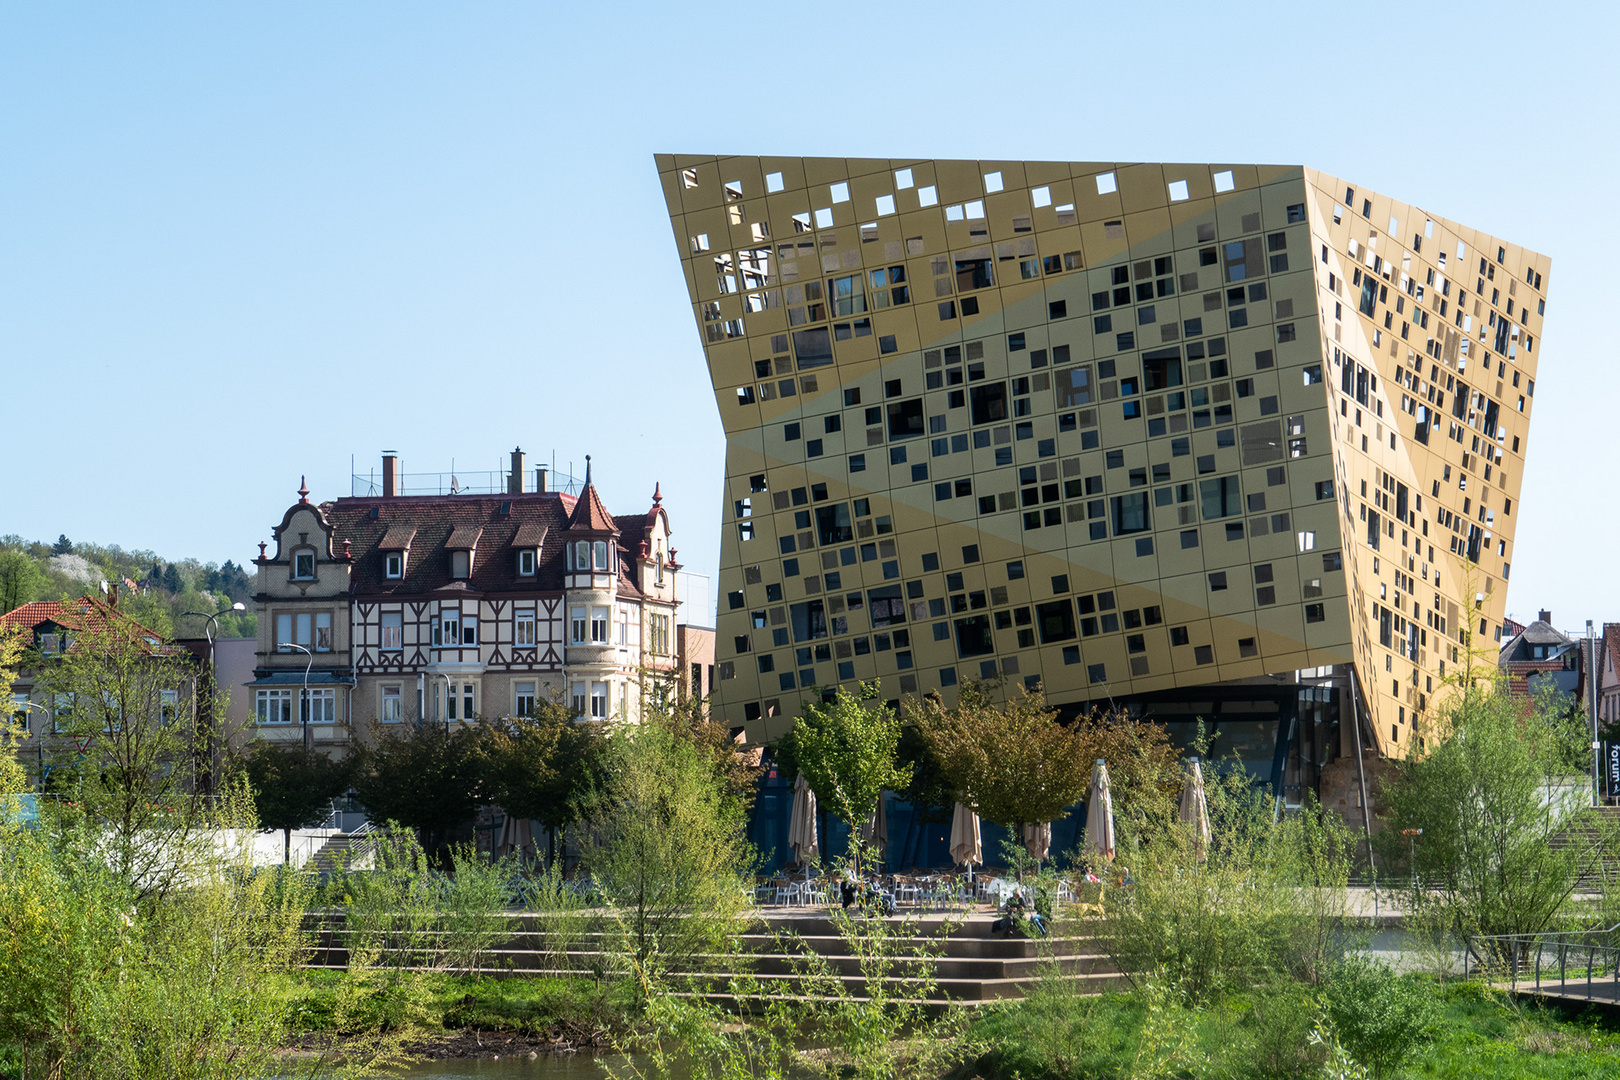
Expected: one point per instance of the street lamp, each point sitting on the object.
(39, 744)
(1411, 842)
(303, 702)
(449, 700)
(213, 671)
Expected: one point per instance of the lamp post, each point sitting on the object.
(1411, 846)
(213, 675)
(39, 743)
(449, 700)
(303, 702)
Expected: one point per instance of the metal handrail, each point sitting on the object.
(1602, 960)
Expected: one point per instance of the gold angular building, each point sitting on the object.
(1170, 436)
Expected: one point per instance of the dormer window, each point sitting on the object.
(394, 564)
(526, 561)
(49, 644)
(461, 564)
(303, 564)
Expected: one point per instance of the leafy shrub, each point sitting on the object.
(1381, 1017)
(1277, 1042)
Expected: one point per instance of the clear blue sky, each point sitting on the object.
(240, 243)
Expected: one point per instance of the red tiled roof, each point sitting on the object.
(88, 613)
(590, 515)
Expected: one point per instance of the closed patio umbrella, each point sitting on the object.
(966, 846)
(1038, 840)
(802, 823)
(1195, 807)
(1100, 815)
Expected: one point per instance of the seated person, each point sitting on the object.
(1017, 909)
(867, 895)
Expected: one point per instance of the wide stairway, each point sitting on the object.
(1587, 829)
(971, 964)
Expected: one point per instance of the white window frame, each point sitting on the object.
(524, 697)
(469, 630)
(523, 629)
(461, 565)
(600, 559)
(469, 701)
(394, 564)
(527, 559)
(579, 619)
(392, 641)
(580, 692)
(443, 636)
(391, 707)
(273, 706)
(321, 705)
(600, 626)
(599, 701)
(323, 631)
(284, 631)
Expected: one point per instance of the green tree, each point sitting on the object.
(1014, 761)
(423, 777)
(128, 711)
(1496, 788)
(171, 579)
(846, 749)
(735, 769)
(21, 579)
(542, 766)
(63, 545)
(666, 848)
(292, 786)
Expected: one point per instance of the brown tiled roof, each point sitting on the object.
(464, 538)
(433, 524)
(397, 538)
(530, 534)
(590, 515)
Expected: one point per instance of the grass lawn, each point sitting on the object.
(1054, 1035)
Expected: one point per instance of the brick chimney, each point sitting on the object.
(514, 481)
(390, 474)
(1544, 616)
(540, 479)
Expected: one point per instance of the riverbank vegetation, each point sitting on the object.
(138, 940)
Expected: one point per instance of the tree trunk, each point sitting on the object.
(286, 846)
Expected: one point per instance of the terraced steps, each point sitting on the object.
(970, 965)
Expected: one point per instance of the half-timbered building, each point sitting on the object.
(461, 607)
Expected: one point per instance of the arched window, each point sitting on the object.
(602, 555)
(582, 555)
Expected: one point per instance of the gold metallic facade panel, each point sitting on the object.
(1085, 424)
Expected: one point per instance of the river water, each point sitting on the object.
(578, 1066)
